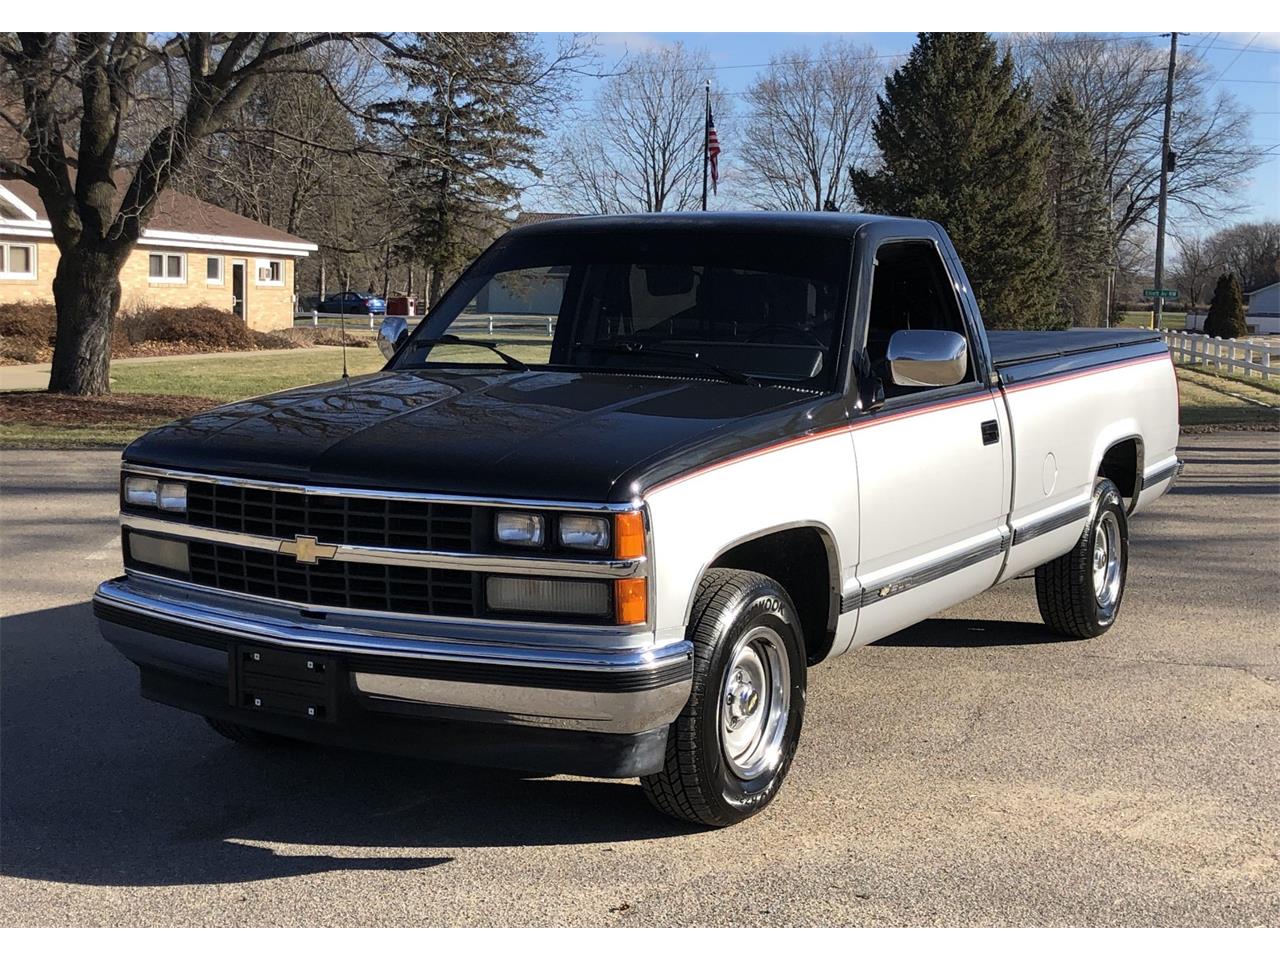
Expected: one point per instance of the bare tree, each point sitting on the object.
(106, 120)
(640, 149)
(1251, 251)
(810, 121)
(1120, 88)
(1194, 268)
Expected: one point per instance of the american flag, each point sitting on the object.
(713, 149)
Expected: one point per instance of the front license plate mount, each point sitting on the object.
(284, 683)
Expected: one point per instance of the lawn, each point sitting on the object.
(1142, 318)
(147, 394)
(1213, 402)
(236, 376)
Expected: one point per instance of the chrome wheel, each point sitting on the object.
(755, 700)
(1107, 556)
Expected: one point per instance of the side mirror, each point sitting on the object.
(927, 358)
(391, 334)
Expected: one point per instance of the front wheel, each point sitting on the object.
(731, 746)
(1079, 593)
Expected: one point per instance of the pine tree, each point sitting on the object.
(470, 122)
(1078, 211)
(960, 144)
(1226, 310)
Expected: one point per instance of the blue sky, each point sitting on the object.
(1246, 65)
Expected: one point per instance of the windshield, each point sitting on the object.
(739, 306)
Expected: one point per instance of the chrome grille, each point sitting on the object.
(356, 521)
(329, 583)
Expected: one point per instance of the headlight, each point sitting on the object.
(173, 497)
(584, 533)
(166, 495)
(141, 491)
(519, 529)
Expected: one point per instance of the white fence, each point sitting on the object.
(507, 324)
(1244, 357)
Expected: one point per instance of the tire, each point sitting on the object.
(248, 735)
(1079, 593)
(729, 750)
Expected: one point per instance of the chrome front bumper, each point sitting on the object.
(512, 674)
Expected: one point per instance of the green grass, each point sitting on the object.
(223, 378)
(1142, 318)
(26, 436)
(1267, 390)
(227, 377)
(1208, 401)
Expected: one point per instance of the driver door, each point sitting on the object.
(931, 464)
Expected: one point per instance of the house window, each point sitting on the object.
(167, 267)
(213, 271)
(270, 273)
(17, 261)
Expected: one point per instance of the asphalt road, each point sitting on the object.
(971, 770)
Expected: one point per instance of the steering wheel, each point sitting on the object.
(804, 335)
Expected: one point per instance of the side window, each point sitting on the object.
(910, 290)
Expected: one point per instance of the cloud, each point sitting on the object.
(630, 42)
(1263, 41)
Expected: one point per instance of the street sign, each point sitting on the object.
(1162, 294)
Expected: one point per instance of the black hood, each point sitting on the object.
(539, 434)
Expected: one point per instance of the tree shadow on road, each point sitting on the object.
(98, 786)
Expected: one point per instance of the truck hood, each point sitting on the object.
(537, 434)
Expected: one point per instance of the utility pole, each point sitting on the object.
(1164, 179)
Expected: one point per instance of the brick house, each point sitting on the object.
(192, 253)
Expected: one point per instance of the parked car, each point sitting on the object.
(352, 302)
(754, 443)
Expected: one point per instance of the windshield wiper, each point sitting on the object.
(448, 338)
(632, 348)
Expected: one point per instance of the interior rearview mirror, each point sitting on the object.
(391, 334)
(927, 358)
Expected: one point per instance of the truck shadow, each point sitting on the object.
(940, 632)
(100, 787)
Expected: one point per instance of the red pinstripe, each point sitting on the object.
(876, 421)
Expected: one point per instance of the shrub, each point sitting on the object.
(36, 319)
(1226, 310)
(206, 327)
(274, 340)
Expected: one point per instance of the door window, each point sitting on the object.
(910, 290)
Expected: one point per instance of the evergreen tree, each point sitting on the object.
(960, 144)
(1226, 310)
(470, 124)
(1078, 211)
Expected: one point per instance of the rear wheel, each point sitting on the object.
(729, 750)
(1079, 593)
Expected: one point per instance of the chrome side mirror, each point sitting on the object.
(927, 358)
(391, 334)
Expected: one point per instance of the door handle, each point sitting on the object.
(990, 432)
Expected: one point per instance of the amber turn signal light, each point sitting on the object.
(628, 536)
(631, 600)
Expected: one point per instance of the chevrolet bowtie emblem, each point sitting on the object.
(307, 549)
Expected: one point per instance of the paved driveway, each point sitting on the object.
(973, 769)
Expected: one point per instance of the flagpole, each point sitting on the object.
(706, 145)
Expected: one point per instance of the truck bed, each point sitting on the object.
(1010, 347)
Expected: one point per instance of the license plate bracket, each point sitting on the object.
(284, 682)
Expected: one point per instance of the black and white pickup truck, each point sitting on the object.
(753, 443)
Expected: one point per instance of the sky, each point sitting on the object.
(1246, 65)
